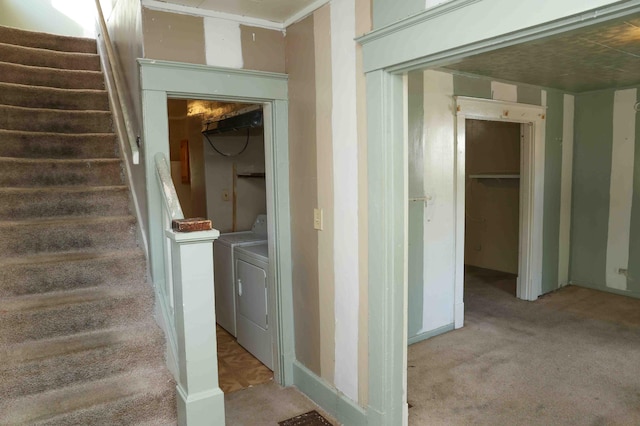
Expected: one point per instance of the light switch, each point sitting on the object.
(317, 219)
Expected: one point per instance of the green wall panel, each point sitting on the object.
(471, 86)
(591, 180)
(552, 189)
(633, 279)
(530, 95)
(387, 12)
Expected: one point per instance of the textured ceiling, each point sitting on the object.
(598, 57)
(271, 10)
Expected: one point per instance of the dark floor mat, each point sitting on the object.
(312, 418)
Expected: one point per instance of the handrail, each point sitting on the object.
(120, 90)
(168, 190)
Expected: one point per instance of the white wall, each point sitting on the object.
(63, 17)
(250, 192)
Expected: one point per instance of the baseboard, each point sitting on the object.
(329, 398)
(428, 334)
(634, 294)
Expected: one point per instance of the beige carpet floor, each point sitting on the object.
(570, 358)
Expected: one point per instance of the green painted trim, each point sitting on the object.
(416, 19)
(329, 398)
(221, 83)
(282, 219)
(412, 43)
(634, 294)
(429, 334)
(386, 162)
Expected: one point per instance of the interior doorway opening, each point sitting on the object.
(217, 154)
(492, 203)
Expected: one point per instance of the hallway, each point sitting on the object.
(572, 357)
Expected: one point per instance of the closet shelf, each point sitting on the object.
(251, 175)
(495, 176)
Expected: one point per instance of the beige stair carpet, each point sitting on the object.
(78, 342)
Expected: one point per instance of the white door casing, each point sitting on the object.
(531, 190)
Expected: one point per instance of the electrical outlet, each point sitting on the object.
(317, 219)
(225, 195)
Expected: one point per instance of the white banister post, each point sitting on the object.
(200, 400)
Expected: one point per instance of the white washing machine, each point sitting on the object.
(224, 269)
(255, 333)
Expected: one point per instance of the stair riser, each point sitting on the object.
(18, 280)
(44, 97)
(62, 79)
(36, 120)
(19, 327)
(33, 174)
(34, 239)
(48, 58)
(42, 204)
(46, 41)
(57, 146)
(80, 367)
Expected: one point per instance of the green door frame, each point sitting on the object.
(423, 41)
(161, 80)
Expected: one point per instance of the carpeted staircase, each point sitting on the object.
(78, 342)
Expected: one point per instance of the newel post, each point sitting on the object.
(200, 400)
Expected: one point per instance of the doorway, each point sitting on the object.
(492, 204)
(217, 156)
(162, 80)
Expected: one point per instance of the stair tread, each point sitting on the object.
(59, 160)
(46, 405)
(58, 134)
(65, 220)
(35, 50)
(38, 76)
(54, 41)
(61, 70)
(19, 353)
(68, 256)
(61, 112)
(69, 189)
(60, 90)
(56, 299)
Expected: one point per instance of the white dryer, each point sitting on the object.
(224, 269)
(255, 333)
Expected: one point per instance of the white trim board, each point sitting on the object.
(531, 184)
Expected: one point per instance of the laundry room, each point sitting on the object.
(217, 153)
